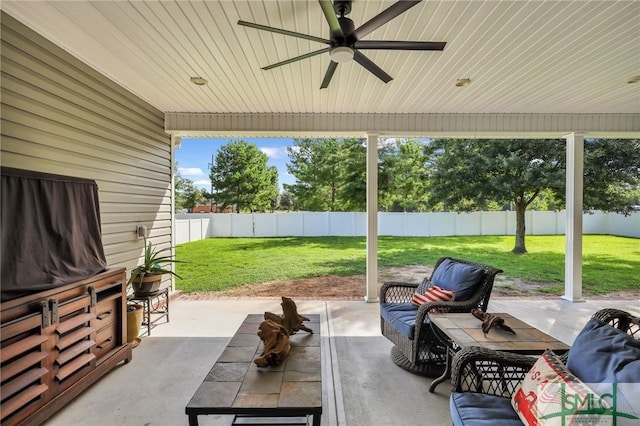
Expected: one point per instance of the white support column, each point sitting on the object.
(372, 219)
(573, 233)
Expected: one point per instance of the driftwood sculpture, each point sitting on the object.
(490, 320)
(276, 344)
(291, 320)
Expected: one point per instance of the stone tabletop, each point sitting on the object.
(466, 330)
(236, 385)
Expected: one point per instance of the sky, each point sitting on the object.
(195, 155)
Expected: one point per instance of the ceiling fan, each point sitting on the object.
(346, 41)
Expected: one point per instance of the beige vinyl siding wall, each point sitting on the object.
(61, 116)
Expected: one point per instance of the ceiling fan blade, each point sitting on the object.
(332, 19)
(285, 32)
(384, 17)
(329, 74)
(400, 45)
(297, 58)
(371, 67)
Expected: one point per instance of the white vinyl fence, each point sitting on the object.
(197, 226)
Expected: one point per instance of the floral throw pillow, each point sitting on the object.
(433, 294)
(551, 395)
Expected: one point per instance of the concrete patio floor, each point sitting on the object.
(363, 386)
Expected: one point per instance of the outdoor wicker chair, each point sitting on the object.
(605, 352)
(417, 349)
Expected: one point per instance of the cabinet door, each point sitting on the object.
(73, 339)
(106, 324)
(24, 365)
(110, 311)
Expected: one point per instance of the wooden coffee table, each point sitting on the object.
(458, 330)
(236, 386)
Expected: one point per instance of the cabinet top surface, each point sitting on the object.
(108, 276)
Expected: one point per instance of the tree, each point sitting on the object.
(180, 185)
(319, 166)
(467, 174)
(547, 200)
(287, 201)
(405, 186)
(272, 190)
(187, 195)
(632, 198)
(241, 178)
(611, 174)
(331, 174)
(352, 194)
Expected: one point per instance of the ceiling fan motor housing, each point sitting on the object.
(348, 27)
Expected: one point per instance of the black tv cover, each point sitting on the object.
(50, 231)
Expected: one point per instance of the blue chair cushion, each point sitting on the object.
(603, 354)
(478, 409)
(459, 277)
(402, 317)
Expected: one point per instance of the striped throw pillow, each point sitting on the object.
(433, 294)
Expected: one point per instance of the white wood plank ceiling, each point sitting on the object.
(524, 56)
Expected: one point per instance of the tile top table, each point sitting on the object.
(459, 330)
(466, 330)
(236, 386)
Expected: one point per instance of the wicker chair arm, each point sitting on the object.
(621, 320)
(476, 369)
(441, 306)
(397, 292)
(610, 314)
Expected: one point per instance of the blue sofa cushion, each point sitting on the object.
(478, 409)
(603, 354)
(402, 317)
(459, 277)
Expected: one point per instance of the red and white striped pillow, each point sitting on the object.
(433, 294)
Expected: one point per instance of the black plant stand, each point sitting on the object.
(157, 304)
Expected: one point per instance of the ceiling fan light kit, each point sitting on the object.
(345, 40)
(341, 54)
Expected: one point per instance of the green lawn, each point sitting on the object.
(609, 263)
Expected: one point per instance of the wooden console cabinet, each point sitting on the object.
(56, 343)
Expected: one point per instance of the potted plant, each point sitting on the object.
(145, 279)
